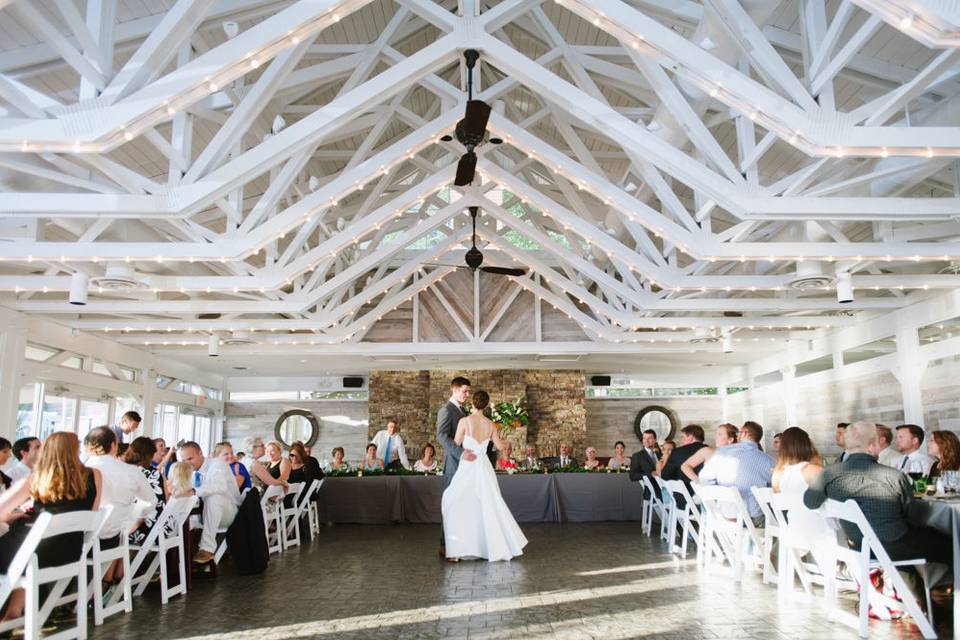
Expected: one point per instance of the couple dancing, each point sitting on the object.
(476, 521)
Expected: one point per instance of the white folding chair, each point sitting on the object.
(122, 598)
(313, 514)
(656, 505)
(685, 517)
(771, 532)
(166, 534)
(290, 515)
(726, 527)
(860, 562)
(270, 506)
(24, 572)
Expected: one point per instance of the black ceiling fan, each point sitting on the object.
(471, 130)
(474, 257)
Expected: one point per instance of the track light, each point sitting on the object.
(844, 287)
(313, 183)
(231, 29)
(78, 288)
(728, 343)
(278, 124)
(213, 346)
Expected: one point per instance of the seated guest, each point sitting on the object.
(6, 452)
(565, 459)
(180, 480)
(224, 451)
(591, 461)
(506, 461)
(59, 483)
(838, 437)
(300, 471)
(691, 441)
(725, 435)
(241, 456)
(619, 460)
(644, 462)
(277, 465)
(776, 444)
(390, 446)
(27, 452)
(884, 496)
(140, 454)
(260, 475)
(371, 461)
(798, 463)
(124, 487)
(531, 462)
(338, 463)
(161, 453)
(312, 462)
(216, 488)
(249, 444)
(425, 464)
(888, 453)
(742, 465)
(668, 447)
(908, 440)
(945, 447)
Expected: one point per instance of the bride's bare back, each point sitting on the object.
(478, 427)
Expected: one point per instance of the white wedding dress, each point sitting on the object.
(476, 521)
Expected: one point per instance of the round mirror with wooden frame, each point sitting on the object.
(661, 420)
(297, 424)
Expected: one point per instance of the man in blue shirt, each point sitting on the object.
(742, 465)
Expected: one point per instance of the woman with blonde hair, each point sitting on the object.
(277, 465)
(59, 483)
(180, 480)
(726, 434)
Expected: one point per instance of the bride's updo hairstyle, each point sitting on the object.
(481, 400)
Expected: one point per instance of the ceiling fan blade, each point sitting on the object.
(475, 121)
(440, 264)
(466, 169)
(504, 271)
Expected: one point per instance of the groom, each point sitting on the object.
(447, 419)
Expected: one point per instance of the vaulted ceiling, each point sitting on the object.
(269, 176)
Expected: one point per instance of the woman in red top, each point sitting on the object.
(505, 462)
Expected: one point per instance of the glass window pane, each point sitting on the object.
(26, 410)
(57, 415)
(185, 427)
(99, 367)
(73, 362)
(92, 414)
(202, 433)
(169, 423)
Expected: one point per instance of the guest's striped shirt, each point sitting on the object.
(741, 465)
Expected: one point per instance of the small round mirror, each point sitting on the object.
(297, 424)
(663, 421)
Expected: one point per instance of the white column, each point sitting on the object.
(13, 342)
(789, 389)
(149, 378)
(909, 371)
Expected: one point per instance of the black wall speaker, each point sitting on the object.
(600, 381)
(352, 382)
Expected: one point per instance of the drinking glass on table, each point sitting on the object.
(918, 473)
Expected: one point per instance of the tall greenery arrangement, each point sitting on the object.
(511, 415)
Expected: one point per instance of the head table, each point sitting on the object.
(535, 497)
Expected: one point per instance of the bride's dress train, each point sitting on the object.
(476, 521)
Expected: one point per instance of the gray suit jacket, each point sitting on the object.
(447, 419)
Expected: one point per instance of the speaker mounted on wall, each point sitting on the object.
(352, 382)
(600, 381)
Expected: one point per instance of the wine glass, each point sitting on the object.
(917, 472)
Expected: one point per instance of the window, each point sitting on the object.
(649, 392)
(58, 415)
(184, 427)
(870, 350)
(824, 363)
(73, 362)
(100, 368)
(939, 331)
(37, 353)
(768, 378)
(203, 433)
(93, 413)
(27, 410)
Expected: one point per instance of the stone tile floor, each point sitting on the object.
(601, 580)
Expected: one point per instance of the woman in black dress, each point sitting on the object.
(59, 484)
(140, 454)
(300, 469)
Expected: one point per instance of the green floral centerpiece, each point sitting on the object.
(511, 415)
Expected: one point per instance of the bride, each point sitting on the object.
(477, 522)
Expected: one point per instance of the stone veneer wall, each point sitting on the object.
(555, 401)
